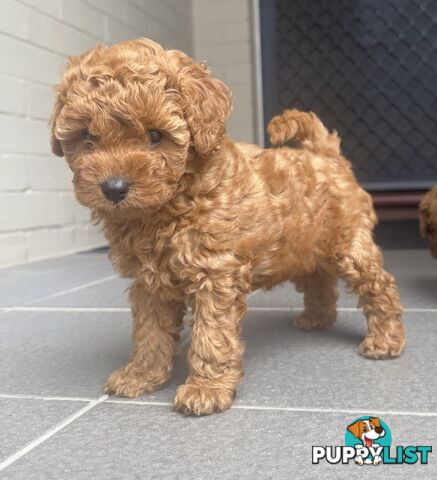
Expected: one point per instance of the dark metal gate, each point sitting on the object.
(368, 68)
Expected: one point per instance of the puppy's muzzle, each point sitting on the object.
(115, 189)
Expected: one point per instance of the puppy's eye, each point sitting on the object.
(90, 139)
(155, 136)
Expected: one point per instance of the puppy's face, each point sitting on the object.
(128, 118)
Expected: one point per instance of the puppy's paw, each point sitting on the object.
(382, 347)
(129, 382)
(198, 400)
(306, 321)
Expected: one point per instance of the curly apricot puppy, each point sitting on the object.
(428, 219)
(198, 220)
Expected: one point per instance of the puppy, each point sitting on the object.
(367, 431)
(197, 220)
(428, 219)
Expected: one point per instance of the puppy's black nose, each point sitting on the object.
(115, 189)
(379, 430)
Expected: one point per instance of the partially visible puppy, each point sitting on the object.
(428, 219)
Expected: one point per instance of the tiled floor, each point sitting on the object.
(65, 325)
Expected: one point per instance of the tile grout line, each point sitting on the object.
(127, 309)
(109, 399)
(27, 306)
(30, 446)
(66, 309)
(45, 397)
(72, 289)
(333, 410)
(282, 409)
(4, 310)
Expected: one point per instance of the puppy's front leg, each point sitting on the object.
(215, 355)
(156, 338)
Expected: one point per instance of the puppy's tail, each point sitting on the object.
(305, 129)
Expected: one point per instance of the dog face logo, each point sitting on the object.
(368, 432)
(368, 441)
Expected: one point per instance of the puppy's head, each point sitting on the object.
(129, 117)
(428, 219)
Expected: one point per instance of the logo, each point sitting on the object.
(368, 441)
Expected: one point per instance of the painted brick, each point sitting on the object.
(22, 135)
(29, 62)
(35, 210)
(13, 173)
(238, 74)
(49, 242)
(14, 18)
(12, 249)
(84, 17)
(114, 8)
(220, 33)
(13, 96)
(183, 7)
(88, 235)
(224, 54)
(241, 132)
(50, 7)
(118, 32)
(41, 99)
(49, 173)
(56, 36)
(223, 11)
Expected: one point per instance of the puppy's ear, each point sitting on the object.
(375, 421)
(55, 143)
(424, 214)
(356, 428)
(207, 103)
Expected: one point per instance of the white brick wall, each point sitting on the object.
(223, 37)
(39, 216)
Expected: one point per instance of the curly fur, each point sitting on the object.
(428, 219)
(207, 220)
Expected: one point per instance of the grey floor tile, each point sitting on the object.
(109, 294)
(24, 420)
(27, 283)
(67, 353)
(71, 354)
(319, 369)
(414, 270)
(142, 442)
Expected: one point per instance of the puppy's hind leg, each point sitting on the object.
(361, 268)
(320, 298)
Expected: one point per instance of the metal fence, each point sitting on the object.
(368, 68)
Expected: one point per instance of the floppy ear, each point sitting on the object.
(375, 421)
(68, 77)
(55, 143)
(424, 214)
(207, 103)
(356, 428)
